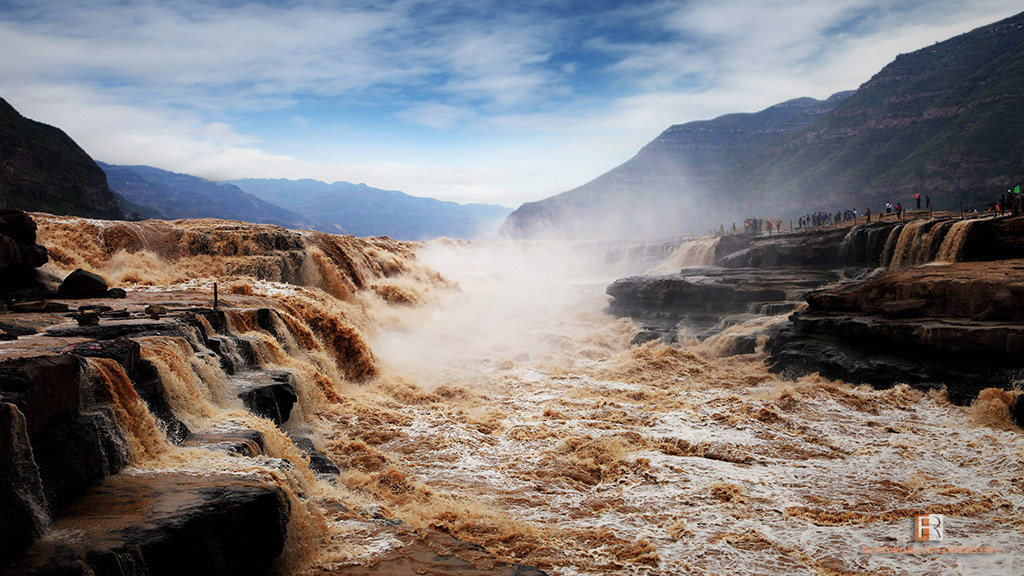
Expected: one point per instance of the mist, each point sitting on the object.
(515, 304)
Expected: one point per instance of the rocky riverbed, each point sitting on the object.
(929, 302)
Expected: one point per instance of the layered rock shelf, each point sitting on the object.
(65, 451)
(929, 302)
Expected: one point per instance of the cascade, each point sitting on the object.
(698, 253)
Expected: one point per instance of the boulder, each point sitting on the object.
(82, 284)
(22, 499)
(166, 524)
(19, 253)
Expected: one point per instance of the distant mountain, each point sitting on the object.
(944, 121)
(42, 169)
(663, 189)
(361, 210)
(167, 195)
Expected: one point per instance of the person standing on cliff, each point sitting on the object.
(899, 211)
(917, 198)
(867, 215)
(927, 202)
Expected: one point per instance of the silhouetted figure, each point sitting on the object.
(917, 198)
(867, 215)
(927, 202)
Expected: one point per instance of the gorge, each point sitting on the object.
(366, 406)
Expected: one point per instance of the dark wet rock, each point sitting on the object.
(983, 290)
(117, 293)
(5, 337)
(745, 344)
(818, 248)
(18, 328)
(87, 318)
(20, 256)
(74, 444)
(794, 354)
(82, 284)
(116, 314)
(111, 330)
(125, 352)
(702, 298)
(42, 388)
(22, 499)
(266, 319)
(991, 239)
(75, 452)
(18, 226)
(738, 259)
(39, 306)
(644, 336)
(957, 325)
(1017, 411)
(240, 441)
(150, 388)
(155, 311)
(267, 394)
(318, 461)
(166, 524)
(94, 308)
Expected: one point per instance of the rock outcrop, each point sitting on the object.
(43, 170)
(957, 325)
(63, 447)
(935, 121)
(20, 256)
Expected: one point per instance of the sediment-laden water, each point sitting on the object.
(481, 392)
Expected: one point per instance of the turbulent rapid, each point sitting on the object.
(479, 395)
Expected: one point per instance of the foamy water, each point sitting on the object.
(497, 402)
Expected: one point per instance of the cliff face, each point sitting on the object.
(42, 169)
(943, 121)
(667, 186)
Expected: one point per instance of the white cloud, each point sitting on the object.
(169, 84)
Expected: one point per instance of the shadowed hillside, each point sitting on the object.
(944, 121)
(42, 169)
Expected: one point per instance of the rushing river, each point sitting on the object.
(506, 409)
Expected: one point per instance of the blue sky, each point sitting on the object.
(471, 101)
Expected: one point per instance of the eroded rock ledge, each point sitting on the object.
(931, 303)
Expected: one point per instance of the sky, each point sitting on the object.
(499, 101)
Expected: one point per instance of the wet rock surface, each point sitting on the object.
(956, 324)
(703, 299)
(164, 523)
(20, 256)
(82, 284)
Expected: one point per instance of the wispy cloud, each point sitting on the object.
(554, 92)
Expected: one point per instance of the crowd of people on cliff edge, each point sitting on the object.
(1011, 202)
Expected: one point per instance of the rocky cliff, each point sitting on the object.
(942, 121)
(667, 187)
(42, 169)
(929, 302)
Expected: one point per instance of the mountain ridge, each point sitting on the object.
(944, 121)
(357, 209)
(43, 169)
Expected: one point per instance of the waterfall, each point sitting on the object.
(905, 244)
(953, 244)
(698, 253)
